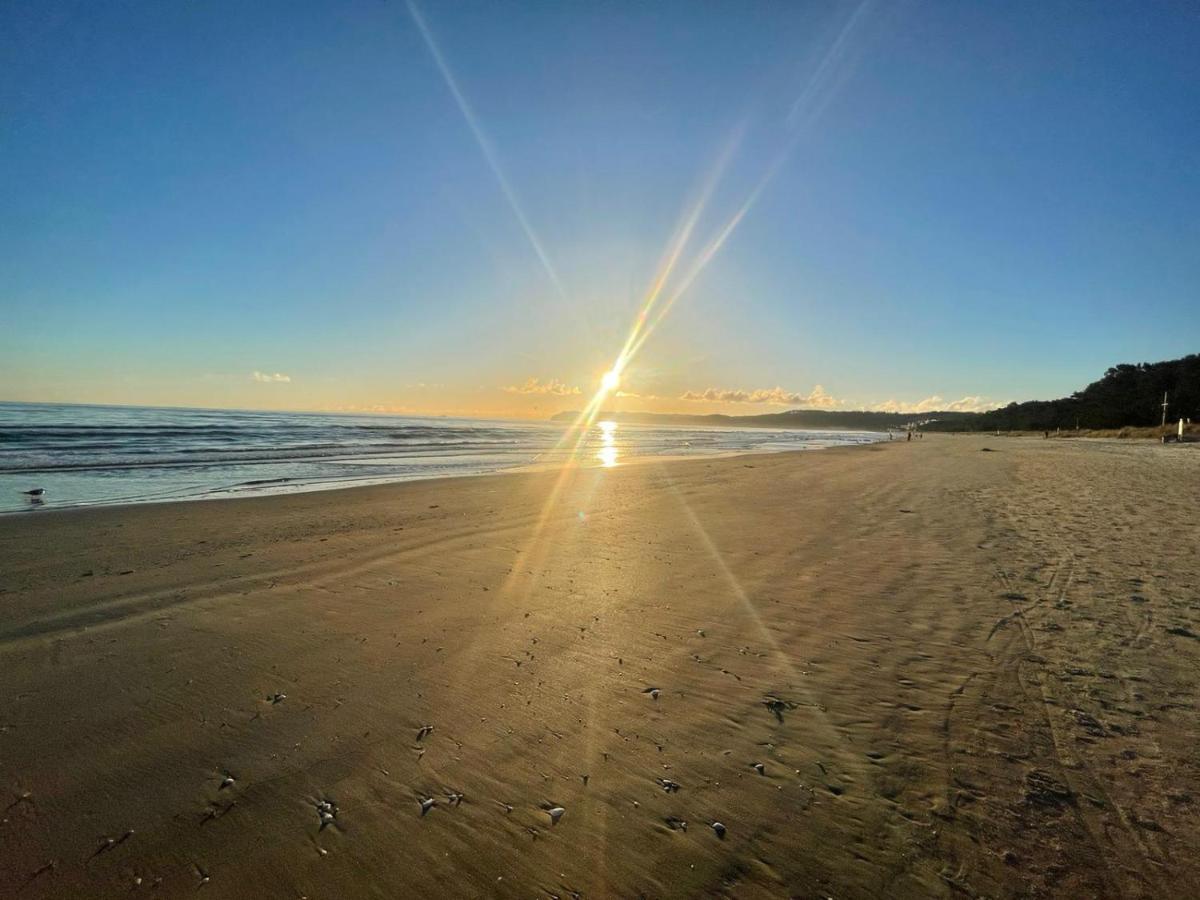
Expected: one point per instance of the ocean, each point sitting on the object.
(91, 455)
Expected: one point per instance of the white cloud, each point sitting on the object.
(534, 386)
(818, 398)
(776, 396)
(268, 377)
(937, 403)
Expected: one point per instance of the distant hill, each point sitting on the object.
(834, 420)
(1127, 395)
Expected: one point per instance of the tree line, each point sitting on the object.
(1128, 394)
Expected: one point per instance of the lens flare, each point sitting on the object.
(485, 147)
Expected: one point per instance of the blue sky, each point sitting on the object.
(956, 200)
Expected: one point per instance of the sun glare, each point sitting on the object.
(608, 443)
(610, 382)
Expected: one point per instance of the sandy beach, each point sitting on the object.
(961, 666)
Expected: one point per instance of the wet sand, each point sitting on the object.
(906, 670)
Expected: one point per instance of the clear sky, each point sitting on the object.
(462, 207)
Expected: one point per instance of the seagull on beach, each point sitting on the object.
(36, 492)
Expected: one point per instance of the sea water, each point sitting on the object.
(87, 455)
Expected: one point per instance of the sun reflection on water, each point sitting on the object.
(608, 444)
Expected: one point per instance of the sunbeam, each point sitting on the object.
(820, 88)
(816, 93)
(485, 147)
(679, 241)
(670, 259)
(746, 605)
(653, 309)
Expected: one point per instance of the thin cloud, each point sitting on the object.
(817, 398)
(937, 403)
(634, 395)
(552, 387)
(267, 377)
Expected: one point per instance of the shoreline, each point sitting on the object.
(938, 656)
(356, 484)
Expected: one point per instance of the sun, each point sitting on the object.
(610, 381)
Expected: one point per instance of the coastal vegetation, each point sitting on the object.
(1127, 396)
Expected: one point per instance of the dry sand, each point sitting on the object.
(962, 673)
